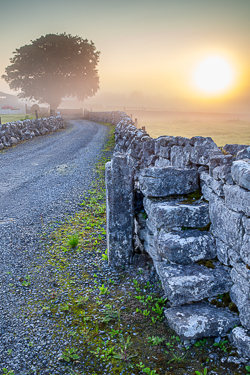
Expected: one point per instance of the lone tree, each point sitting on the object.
(54, 66)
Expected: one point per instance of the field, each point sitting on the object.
(15, 117)
(222, 128)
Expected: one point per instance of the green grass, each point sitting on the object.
(15, 117)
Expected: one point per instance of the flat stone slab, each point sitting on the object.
(241, 173)
(186, 246)
(183, 284)
(170, 214)
(242, 341)
(199, 320)
(163, 182)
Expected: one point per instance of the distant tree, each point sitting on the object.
(54, 66)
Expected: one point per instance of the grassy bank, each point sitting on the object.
(107, 321)
(16, 117)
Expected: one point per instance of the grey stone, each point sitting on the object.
(184, 284)
(161, 163)
(200, 155)
(156, 182)
(222, 252)
(221, 172)
(164, 141)
(226, 223)
(245, 249)
(240, 282)
(164, 152)
(200, 320)
(203, 141)
(246, 224)
(169, 214)
(243, 154)
(233, 149)
(219, 160)
(214, 185)
(180, 156)
(241, 173)
(242, 341)
(237, 199)
(13, 140)
(120, 209)
(149, 246)
(243, 304)
(185, 247)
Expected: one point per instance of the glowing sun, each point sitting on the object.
(213, 75)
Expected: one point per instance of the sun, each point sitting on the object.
(213, 75)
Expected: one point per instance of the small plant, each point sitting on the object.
(81, 300)
(6, 372)
(65, 307)
(103, 290)
(200, 373)
(9, 351)
(155, 340)
(221, 345)
(177, 358)
(247, 368)
(73, 241)
(105, 256)
(69, 355)
(109, 314)
(26, 281)
(200, 343)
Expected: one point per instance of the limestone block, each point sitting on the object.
(245, 249)
(219, 160)
(246, 224)
(200, 155)
(180, 156)
(242, 341)
(222, 252)
(199, 320)
(203, 141)
(233, 149)
(149, 246)
(184, 284)
(237, 199)
(120, 209)
(243, 304)
(243, 154)
(241, 173)
(156, 182)
(164, 141)
(226, 223)
(221, 172)
(216, 186)
(241, 282)
(161, 163)
(172, 213)
(164, 152)
(185, 247)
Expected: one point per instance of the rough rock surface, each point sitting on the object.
(226, 223)
(184, 284)
(185, 247)
(120, 209)
(241, 173)
(173, 213)
(243, 303)
(163, 182)
(242, 341)
(237, 199)
(200, 320)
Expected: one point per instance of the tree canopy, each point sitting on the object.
(54, 66)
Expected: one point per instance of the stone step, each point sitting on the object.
(191, 283)
(199, 320)
(170, 214)
(185, 247)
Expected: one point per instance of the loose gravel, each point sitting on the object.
(42, 181)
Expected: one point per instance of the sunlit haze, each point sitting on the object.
(175, 55)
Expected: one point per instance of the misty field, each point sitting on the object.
(222, 128)
(15, 117)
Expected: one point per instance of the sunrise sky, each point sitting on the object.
(183, 54)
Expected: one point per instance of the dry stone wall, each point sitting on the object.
(186, 203)
(13, 132)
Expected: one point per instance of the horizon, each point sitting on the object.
(152, 54)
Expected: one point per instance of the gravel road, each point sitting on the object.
(41, 180)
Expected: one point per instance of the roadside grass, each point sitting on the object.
(16, 117)
(111, 321)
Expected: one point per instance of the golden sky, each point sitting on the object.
(151, 48)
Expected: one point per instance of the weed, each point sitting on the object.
(155, 340)
(221, 345)
(103, 290)
(69, 355)
(105, 256)
(200, 373)
(6, 372)
(9, 351)
(177, 358)
(73, 241)
(247, 368)
(200, 343)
